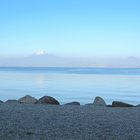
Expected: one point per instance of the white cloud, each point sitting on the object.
(40, 52)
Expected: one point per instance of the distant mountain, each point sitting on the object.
(42, 59)
(33, 60)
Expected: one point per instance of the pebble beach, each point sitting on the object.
(68, 122)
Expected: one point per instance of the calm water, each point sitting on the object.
(70, 84)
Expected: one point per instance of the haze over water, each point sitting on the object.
(71, 84)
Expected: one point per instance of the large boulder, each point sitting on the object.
(89, 104)
(99, 102)
(109, 105)
(73, 103)
(27, 100)
(1, 102)
(120, 104)
(138, 105)
(48, 100)
(12, 102)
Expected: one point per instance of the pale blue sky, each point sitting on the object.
(70, 27)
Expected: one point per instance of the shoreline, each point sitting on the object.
(98, 101)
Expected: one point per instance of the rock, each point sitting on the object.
(89, 104)
(48, 100)
(120, 104)
(99, 102)
(27, 100)
(109, 105)
(12, 102)
(73, 103)
(1, 102)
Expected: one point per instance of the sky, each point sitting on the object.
(83, 28)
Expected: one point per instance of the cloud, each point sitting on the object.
(40, 52)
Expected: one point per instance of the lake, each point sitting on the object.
(71, 84)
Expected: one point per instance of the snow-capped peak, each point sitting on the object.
(40, 52)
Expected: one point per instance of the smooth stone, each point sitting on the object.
(1, 102)
(12, 102)
(72, 103)
(109, 105)
(27, 100)
(47, 100)
(120, 104)
(89, 104)
(99, 102)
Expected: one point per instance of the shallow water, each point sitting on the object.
(71, 84)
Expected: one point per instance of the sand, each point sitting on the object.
(48, 122)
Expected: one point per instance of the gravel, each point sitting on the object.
(50, 122)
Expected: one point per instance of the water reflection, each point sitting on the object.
(40, 80)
